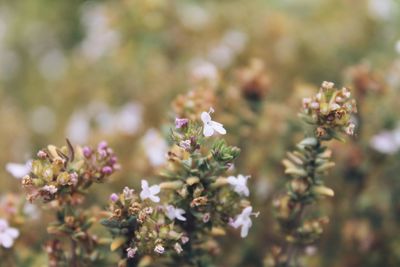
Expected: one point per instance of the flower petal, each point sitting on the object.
(6, 240)
(208, 130)
(155, 199)
(12, 232)
(218, 127)
(205, 117)
(154, 189)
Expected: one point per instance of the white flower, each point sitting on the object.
(178, 248)
(150, 192)
(128, 193)
(174, 213)
(7, 234)
(385, 142)
(211, 126)
(131, 252)
(31, 211)
(50, 188)
(19, 170)
(159, 249)
(239, 184)
(155, 147)
(244, 221)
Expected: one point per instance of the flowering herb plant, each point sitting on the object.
(329, 113)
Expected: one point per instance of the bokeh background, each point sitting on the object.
(120, 71)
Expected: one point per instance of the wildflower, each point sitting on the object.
(211, 126)
(74, 178)
(7, 234)
(159, 249)
(150, 192)
(114, 197)
(131, 252)
(19, 170)
(178, 248)
(175, 213)
(50, 188)
(385, 143)
(128, 193)
(107, 170)
(185, 144)
(184, 239)
(180, 123)
(239, 184)
(87, 151)
(155, 147)
(206, 217)
(350, 129)
(243, 220)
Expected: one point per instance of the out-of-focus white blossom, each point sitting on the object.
(194, 17)
(386, 142)
(19, 170)
(239, 184)
(129, 119)
(155, 148)
(7, 234)
(43, 120)
(202, 70)
(381, 9)
(78, 128)
(100, 37)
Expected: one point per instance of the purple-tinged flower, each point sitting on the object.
(114, 197)
(181, 122)
(159, 249)
(103, 145)
(50, 188)
(185, 144)
(131, 252)
(41, 154)
(87, 152)
(107, 170)
(74, 178)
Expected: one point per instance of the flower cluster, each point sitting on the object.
(62, 173)
(141, 228)
(61, 176)
(330, 110)
(204, 199)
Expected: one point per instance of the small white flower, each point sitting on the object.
(243, 220)
(155, 147)
(159, 249)
(385, 143)
(128, 193)
(178, 248)
(239, 184)
(175, 213)
(350, 129)
(150, 192)
(211, 126)
(50, 188)
(131, 252)
(7, 234)
(19, 170)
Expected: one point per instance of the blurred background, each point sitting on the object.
(122, 70)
